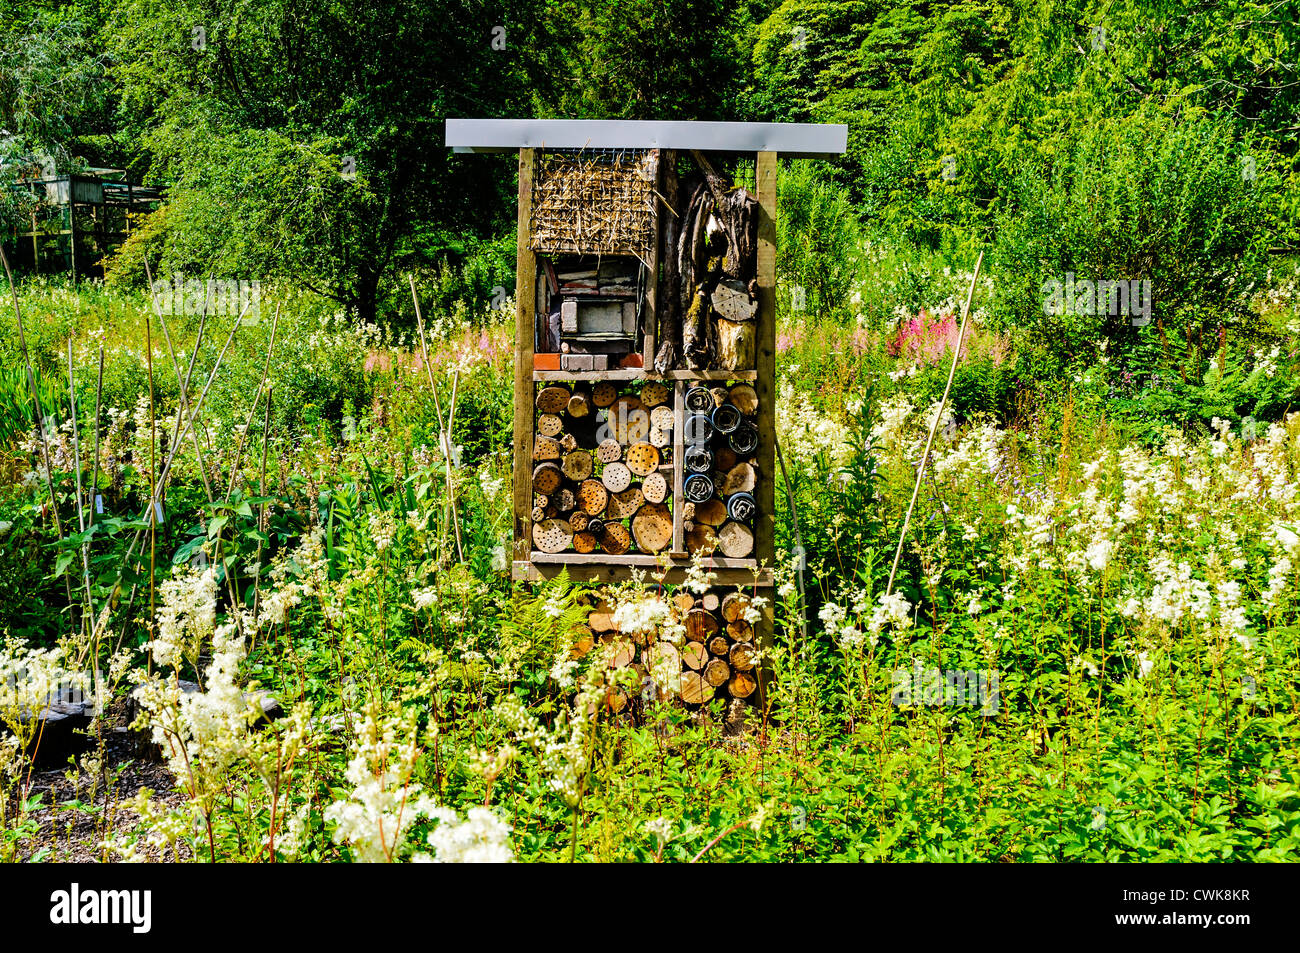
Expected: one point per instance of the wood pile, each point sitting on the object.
(710, 305)
(718, 657)
(603, 468)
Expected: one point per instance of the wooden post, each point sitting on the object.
(72, 231)
(679, 450)
(525, 321)
(650, 317)
(765, 385)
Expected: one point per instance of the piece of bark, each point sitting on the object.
(547, 478)
(565, 500)
(735, 540)
(568, 443)
(553, 400)
(552, 536)
(670, 332)
(653, 528)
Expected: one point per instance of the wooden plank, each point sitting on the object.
(650, 318)
(765, 181)
(749, 564)
(525, 324)
(537, 572)
(641, 373)
(679, 447)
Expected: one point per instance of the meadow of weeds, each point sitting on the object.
(1091, 653)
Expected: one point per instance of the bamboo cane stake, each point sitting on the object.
(88, 614)
(94, 477)
(934, 424)
(442, 434)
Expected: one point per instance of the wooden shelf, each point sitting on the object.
(641, 373)
(641, 559)
(615, 569)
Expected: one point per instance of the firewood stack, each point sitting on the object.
(603, 468)
(717, 659)
(721, 470)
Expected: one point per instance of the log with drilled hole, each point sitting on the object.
(547, 478)
(578, 520)
(616, 477)
(549, 425)
(546, 448)
(604, 394)
(552, 536)
(592, 497)
(654, 488)
(653, 527)
(609, 451)
(584, 542)
(615, 540)
(641, 459)
(553, 400)
(623, 505)
(654, 394)
(577, 466)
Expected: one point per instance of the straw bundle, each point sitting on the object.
(595, 202)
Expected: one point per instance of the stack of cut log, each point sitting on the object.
(722, 522)
(717, 659)
(602, 468)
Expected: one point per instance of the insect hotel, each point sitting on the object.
(644, 432)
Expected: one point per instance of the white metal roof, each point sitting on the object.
(793, 139)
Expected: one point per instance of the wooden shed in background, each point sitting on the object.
(644, 428)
